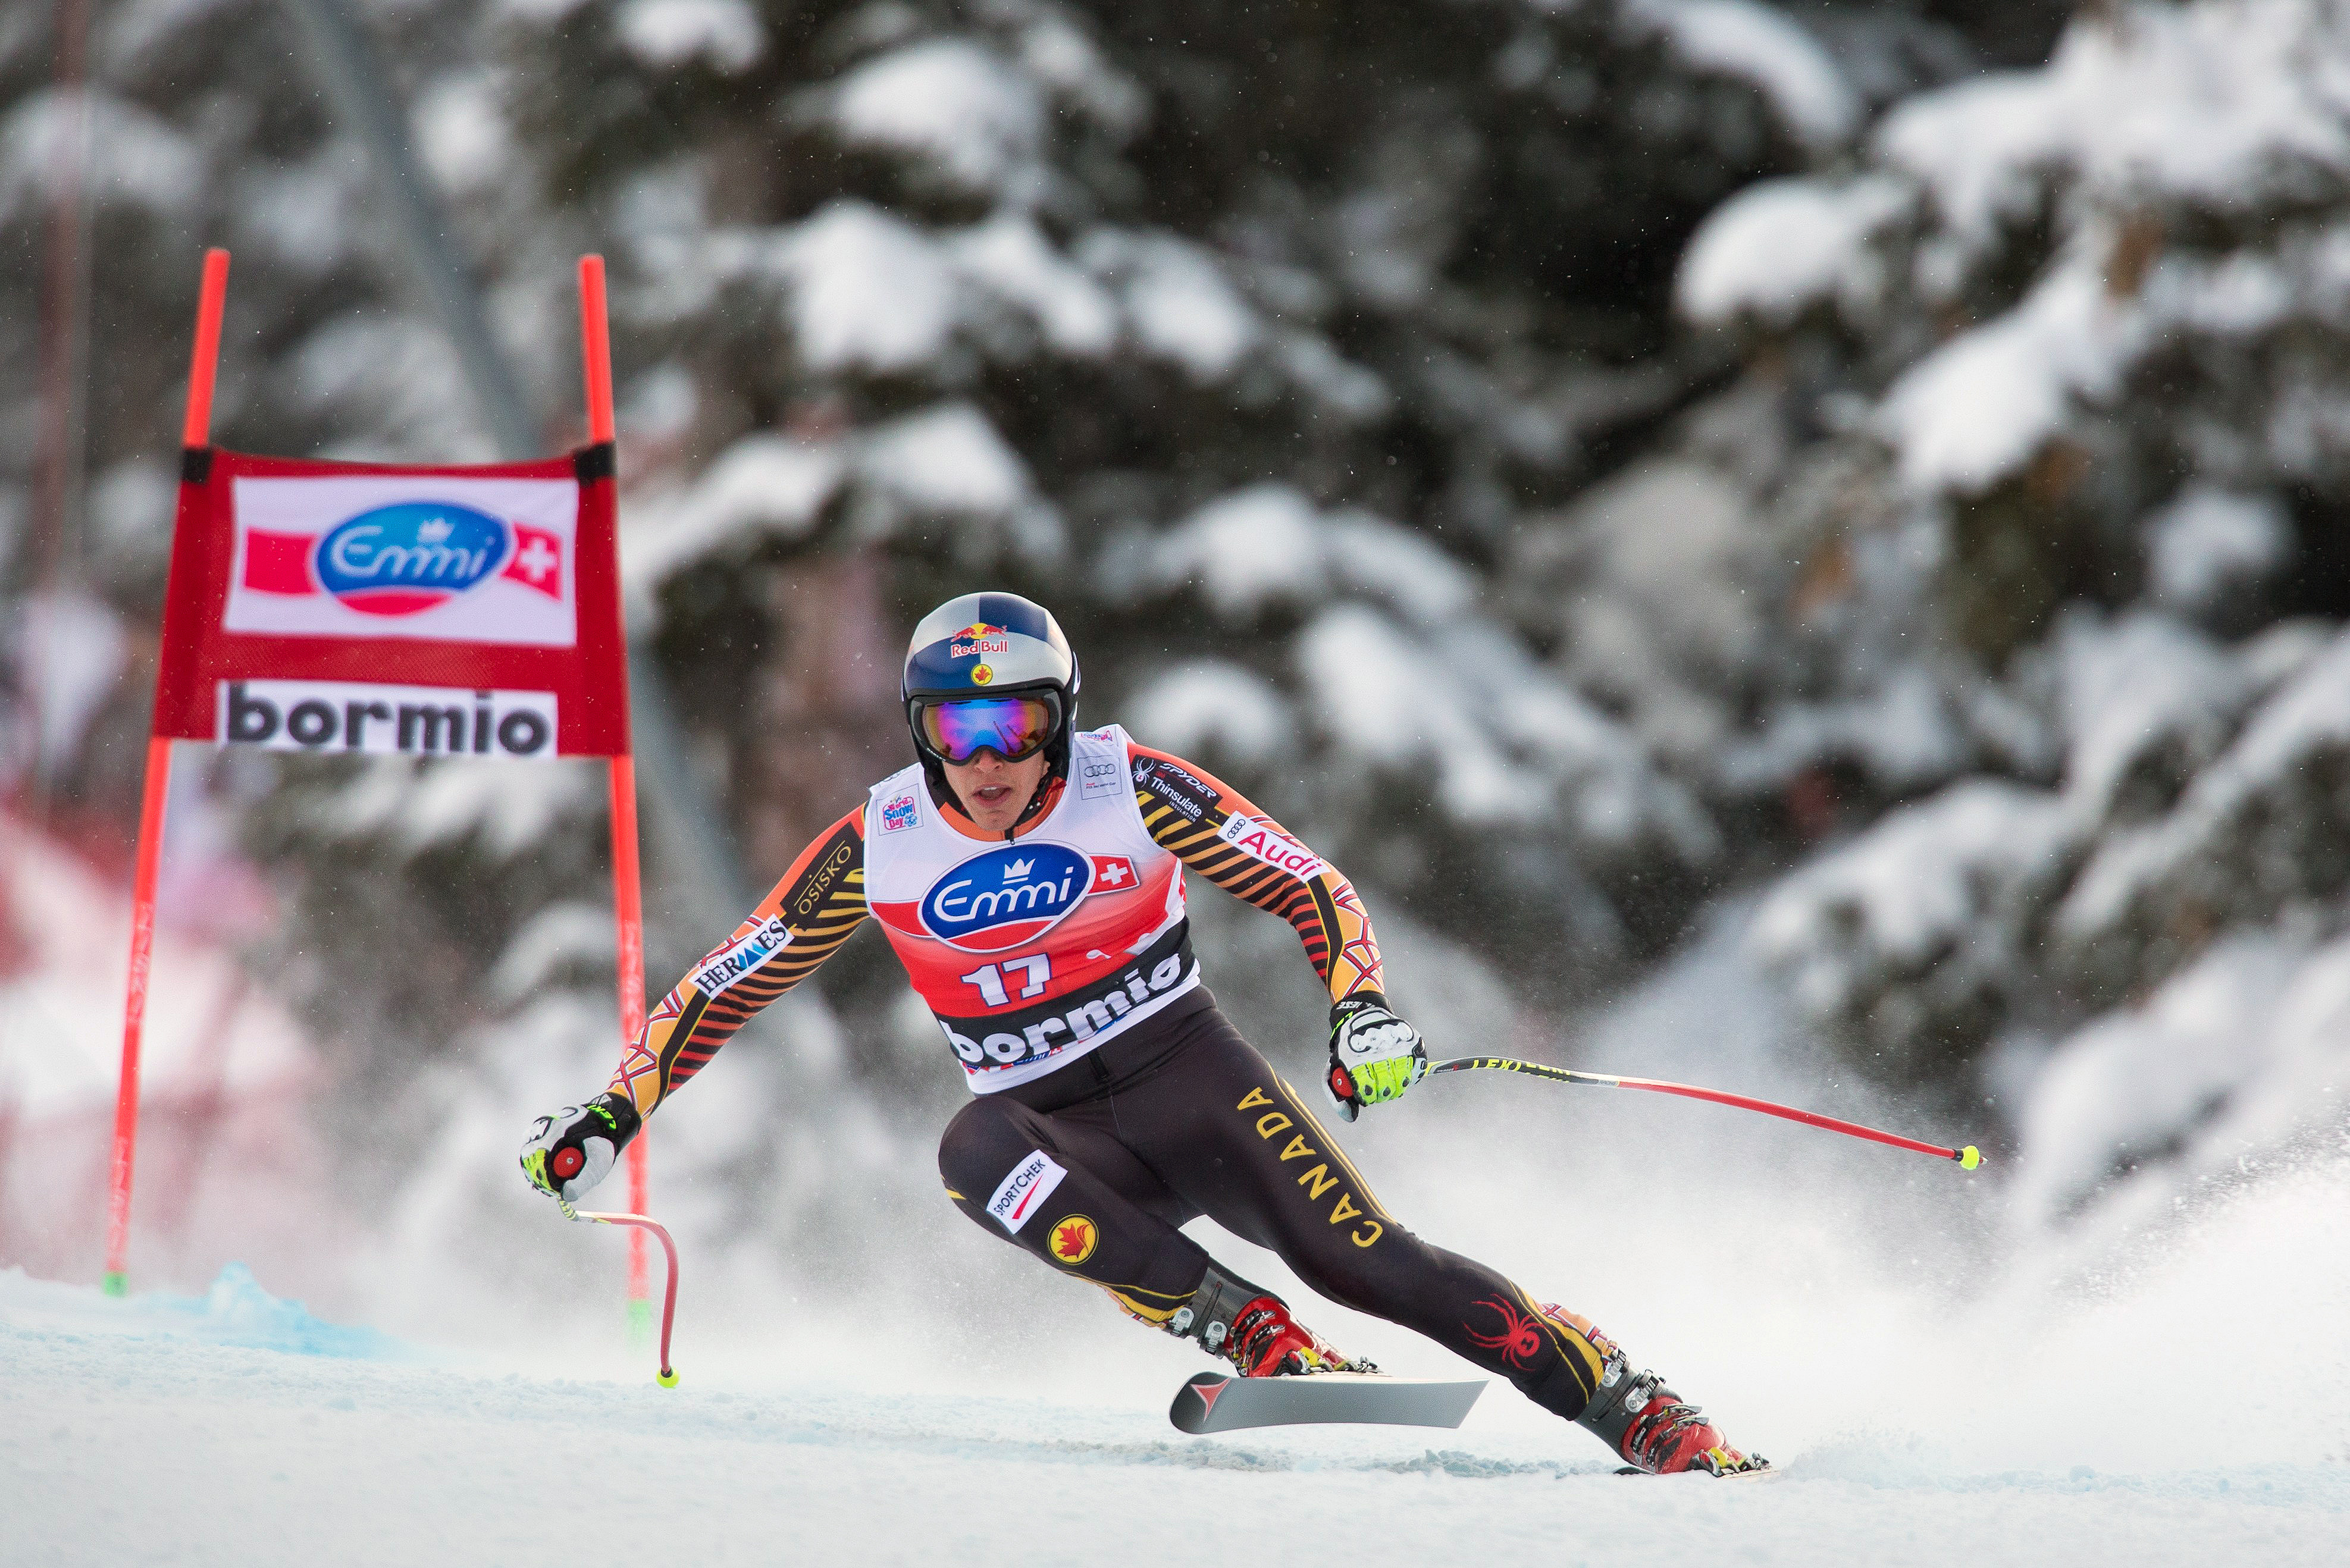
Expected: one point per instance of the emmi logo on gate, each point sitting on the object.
(403, 721)
(399, 559)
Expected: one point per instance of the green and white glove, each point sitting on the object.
(575, 1148)
(1374, 1055)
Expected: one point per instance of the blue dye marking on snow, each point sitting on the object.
(237, 1311)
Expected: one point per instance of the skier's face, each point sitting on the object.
(992, 791)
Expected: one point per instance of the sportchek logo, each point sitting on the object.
(1024, 1190)
(743, 957)
(385, 721)
(444, 559)
(1256, 836)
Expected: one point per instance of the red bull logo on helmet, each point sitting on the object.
(979, 640)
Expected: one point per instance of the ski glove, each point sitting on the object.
(1374, 1054)
(572, 1151)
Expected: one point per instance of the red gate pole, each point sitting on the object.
(627, 898)
(203, 361)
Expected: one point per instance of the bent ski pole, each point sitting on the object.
(1967, 1158)
(667, 1376)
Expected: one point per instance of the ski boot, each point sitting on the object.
(1647, 1424)
(1251, 1329)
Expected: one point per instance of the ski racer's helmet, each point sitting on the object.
(990, 672)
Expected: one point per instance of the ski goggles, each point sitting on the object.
(1015, 728)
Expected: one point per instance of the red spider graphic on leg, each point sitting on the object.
(1519, 1337)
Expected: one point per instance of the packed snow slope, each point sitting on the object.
(1943, 1376)
(2192, 1415)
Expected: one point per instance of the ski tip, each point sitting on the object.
(666, 1378)
(1970, 1157)
(1195, 1402)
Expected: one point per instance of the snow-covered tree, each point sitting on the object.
(2072, 338)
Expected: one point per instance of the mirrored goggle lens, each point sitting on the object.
(1015, 727)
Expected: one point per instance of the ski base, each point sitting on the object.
(1212, 1402)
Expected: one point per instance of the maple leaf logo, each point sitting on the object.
(1074, 1238)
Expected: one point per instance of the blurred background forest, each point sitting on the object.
(1854, 495)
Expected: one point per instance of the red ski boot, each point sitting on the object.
(1649, 1426)
(1251, 1328)
(1266, 1342)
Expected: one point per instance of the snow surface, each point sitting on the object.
(1782, 245)
(763, 487)
(2208, 542)
(1178, 301)
(1007, 258)
(2244, 821)
(1504, 740)
(1940, 1386)
(666, 34)
(869, 290)
(2224, 102)
(947, 459)
(129, 154)
(150, 1431)
(1768, 49)
(951, 102)
(1211, 707)
(1915, 890)
(1977, 409)
(2144, 694)
(1268, 545)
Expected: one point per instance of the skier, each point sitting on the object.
(1030, 877)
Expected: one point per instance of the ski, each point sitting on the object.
(1212, 1402)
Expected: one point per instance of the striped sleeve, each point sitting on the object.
(812, 911)
(1214, 830)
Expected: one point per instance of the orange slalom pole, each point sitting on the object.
(204, 365)
(203, 362)
(596, 344)
(627, 898)
(629, 907)
(156, 792)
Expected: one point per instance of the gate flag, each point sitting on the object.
(373, 609)
(366, 608)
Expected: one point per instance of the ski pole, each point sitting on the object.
(667, 1376)
(1968, 1158)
